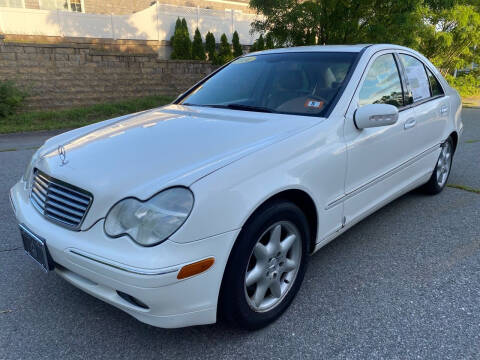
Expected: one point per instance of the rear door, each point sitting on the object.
(429, 103)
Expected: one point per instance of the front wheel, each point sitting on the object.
(440, 174)
(266, 266)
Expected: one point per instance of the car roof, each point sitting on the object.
(329, 48)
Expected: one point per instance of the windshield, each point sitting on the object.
(290, 83)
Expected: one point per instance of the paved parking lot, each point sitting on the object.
(404, 283)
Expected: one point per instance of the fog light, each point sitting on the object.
(132, 300)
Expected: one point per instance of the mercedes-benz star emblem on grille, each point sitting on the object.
(63, 155)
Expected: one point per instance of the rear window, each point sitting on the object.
(290, 83)
(435, 87)
(416, 77)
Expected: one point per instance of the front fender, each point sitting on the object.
(312, 161)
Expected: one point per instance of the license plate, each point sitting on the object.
(36, 248)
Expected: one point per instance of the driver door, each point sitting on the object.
(376, 155)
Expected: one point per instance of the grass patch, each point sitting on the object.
(15, 149)
(465, 188)
(471, 141)
(77, 117)
(471, 101)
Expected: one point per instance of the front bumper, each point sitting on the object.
(110, 268)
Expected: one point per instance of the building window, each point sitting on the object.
(76, 5)
(12, 3)
(66, 5)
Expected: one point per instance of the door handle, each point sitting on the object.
(443, 109)
(410, 123)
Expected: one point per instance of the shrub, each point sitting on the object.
(237, 48)
(182, 46)
(260, 43)
(210, 46)
(310, 38)
(11, 98)
(466, 85)
(269, 44)
(224, 51)
(198, 51)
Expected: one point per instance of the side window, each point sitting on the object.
(435, 87)
(382, 84)
(416, 77)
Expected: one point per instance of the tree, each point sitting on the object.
(237, 48)
(260, 43)
(175, 42)
(224, 51)
(446, 31)
(198, 51)
(310, 38)
(186, 39)
(451, 37)
(294, 22)
(210, 46)
(269, 44)
(182, 46)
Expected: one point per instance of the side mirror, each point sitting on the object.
(374, 115)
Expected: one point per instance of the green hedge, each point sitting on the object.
(466, 85)
(11, 98)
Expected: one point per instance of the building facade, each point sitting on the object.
(120, 7)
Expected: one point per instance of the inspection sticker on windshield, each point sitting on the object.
(313, 104)
(244, 60)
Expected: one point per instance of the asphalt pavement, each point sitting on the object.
(402, 284)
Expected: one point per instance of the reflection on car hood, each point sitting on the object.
(140, 154)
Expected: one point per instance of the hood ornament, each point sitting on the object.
(62, 153)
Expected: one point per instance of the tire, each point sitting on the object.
(260, 264)
(439, 178)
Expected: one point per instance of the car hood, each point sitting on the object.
(141, 154)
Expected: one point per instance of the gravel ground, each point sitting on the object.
(403, 283)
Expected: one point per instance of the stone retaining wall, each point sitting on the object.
(76, 73)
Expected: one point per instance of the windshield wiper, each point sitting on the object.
(250, 108)
(235, 107)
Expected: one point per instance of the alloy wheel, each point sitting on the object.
(273, 266)
(444, 163)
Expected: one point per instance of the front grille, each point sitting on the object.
(60, 202)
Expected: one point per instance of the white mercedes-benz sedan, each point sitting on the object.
(210, 207)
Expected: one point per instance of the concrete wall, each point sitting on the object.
(117, 7)
(122, 7)
(156, 22)
(85, 72)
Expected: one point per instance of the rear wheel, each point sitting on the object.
(266, 266)
(440, 174)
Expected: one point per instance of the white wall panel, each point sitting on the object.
(154, 23)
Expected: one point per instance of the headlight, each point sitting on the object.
(28, 175)
(152, 221)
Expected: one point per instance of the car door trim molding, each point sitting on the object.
(382, 177)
